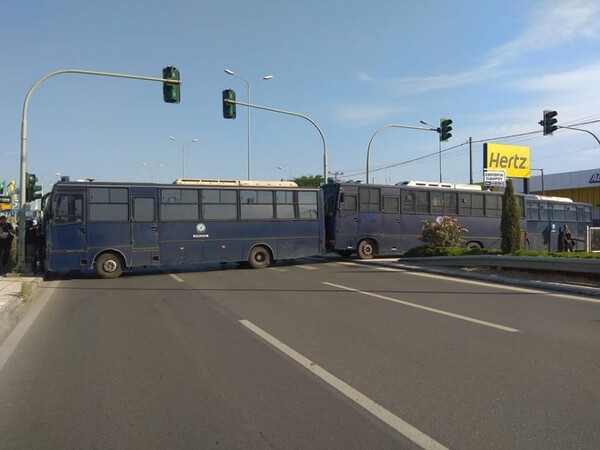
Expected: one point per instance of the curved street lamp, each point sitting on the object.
(248, 83)
(152, 170)
(183, 153)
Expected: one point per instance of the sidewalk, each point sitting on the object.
(10, 288)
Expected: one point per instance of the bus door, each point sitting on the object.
(391, 225)
(369, 207)
(144, 227)
(67, 234)
(346, 225)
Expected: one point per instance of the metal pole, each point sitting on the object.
(440, 158)
(290, 113)
(470, 160)
(182, 160)
(23, 181)
(580, 129)
(379, 131)
(249, 145)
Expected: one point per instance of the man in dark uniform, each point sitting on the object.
(7, 234)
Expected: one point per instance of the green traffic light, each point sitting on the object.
(171, 91)
(229, 111)
(549, 122)
(445, 129)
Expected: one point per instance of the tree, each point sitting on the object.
(510, 227)
(309, 181)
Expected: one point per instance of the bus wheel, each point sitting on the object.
(366, 249)
(109, 265)
(474, 245)
(259, 258)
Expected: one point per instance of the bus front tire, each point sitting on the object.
(109, 265)
(259, 258)
(474, 245)
(366, 249)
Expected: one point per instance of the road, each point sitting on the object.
(320, 354)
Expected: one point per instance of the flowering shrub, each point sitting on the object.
(442, 232)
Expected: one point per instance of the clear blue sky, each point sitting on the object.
(351, 66)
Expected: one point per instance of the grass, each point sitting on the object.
(426, 250)
(26, 291)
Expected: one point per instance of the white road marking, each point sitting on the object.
(176, 278)
(277, 269)
(307, 267)
(507, 287)
(427, 308)
(12, 341)
(404, 428)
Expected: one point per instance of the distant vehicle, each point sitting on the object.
(112, 227)
(369, 219)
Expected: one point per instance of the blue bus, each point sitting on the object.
(113, 227)
(370, 220)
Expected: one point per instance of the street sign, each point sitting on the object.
(494, 178)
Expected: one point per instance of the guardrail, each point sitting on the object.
(590, 266)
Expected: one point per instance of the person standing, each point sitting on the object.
(7, 234)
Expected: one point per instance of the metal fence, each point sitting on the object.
(593, 239)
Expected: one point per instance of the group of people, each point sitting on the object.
(34, 244)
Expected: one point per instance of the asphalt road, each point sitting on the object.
(320, 354)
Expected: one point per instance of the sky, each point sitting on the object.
(352, 67)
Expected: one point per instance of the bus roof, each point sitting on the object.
(472, 187)
(210, 182)
(549, 198)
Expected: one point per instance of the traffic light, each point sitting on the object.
(228, 108)
(549, 122)
(445, 129)
(31, 188)
(171, 91)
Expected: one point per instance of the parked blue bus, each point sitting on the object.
(112, 227)
(369, 219)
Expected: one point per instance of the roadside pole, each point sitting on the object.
(23, 181)
(290, 113)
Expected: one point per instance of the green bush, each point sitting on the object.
(443, 232)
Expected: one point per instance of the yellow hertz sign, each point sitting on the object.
(513, 159)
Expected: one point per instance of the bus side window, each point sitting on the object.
(68, 208)
(348, 206)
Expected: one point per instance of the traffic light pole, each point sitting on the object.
(290, 113)
(580, 129)
(23, 181)
(383, 128)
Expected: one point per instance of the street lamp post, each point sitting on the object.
(285, 170)
(248, 83)
(56, 174)
(152, 170)
(542, 171)
(438, 130)
(410, 127)
(183, 153)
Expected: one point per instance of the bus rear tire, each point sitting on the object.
(366, 249)
(109, 265)
(259, 257)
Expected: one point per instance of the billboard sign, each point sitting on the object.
(514, 160)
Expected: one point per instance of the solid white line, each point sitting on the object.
(365, 402)
(176, 278)
(427, 308)
(510, 288)
(276, 269)
(307, 267)
(10, 343)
